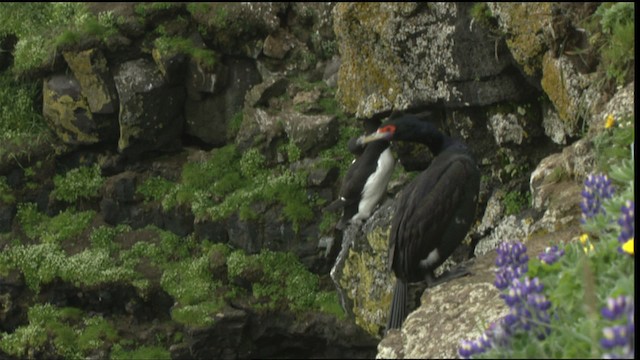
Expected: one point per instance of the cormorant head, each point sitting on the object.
(407, 128)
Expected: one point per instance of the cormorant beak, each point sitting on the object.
(373, 137)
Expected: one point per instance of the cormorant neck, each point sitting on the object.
(435, 140)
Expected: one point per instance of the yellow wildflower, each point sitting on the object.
(609, 121)
(583, 238)
(588, 249)
(628, 247)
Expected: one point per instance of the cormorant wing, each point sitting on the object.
(428, 207)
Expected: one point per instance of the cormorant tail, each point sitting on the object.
(398, 311)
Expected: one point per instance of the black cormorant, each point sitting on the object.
(365, 182)
(435, 210)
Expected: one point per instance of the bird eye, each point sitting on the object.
(387, 129)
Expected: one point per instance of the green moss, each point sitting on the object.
(329, 303)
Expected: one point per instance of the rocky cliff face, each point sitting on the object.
(286, 85)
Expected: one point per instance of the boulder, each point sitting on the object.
(68, 114)
(278, 44)
(554, 127)
(150, 111)
(7, 212)
(311, 133)
(209, 114)
(203, 79)
(96, 83)
(171, 65)
(506, 129)
(260, 94)
(450, 312)
(237, 27)
(398, 54)
(621, 107)
(361, 275)
(238, 333)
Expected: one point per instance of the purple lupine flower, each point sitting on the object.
(551, 255)
(468, 348)
(615, 307)
(614, 336)
(626, 222)
(529, 308)
(596, 189)
(512, 262)
(619, 336)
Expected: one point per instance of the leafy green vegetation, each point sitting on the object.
(481, 13)
(145, 9)
(515, 201)
(6, 195)
(80, 183)
(178, 45)
(282, 282)
(612, 29)
(228, 182)
(576, 312)
(143, 352)
(19, 119)
(70, 333)
(614, 144)
(618, 26)
(61, 227)
(42, 27)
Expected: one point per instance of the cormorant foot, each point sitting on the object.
(453, 273)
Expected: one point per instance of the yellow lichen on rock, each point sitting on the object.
(369, 281)
(364, 69)
(554, 85)
(62, 113)
(90, 69)
(525, 24)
